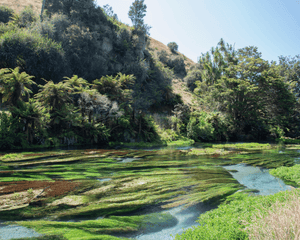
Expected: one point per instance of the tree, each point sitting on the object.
(248, 89)
(57, 98)
(136, 13)
(109, 11)
(14, 85)
(116, 88)
(173, 47)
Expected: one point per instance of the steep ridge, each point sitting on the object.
(154, 46)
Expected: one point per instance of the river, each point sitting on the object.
(251, 177)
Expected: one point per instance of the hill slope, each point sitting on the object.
(154, 47)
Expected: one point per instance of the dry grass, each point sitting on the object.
(179, 87)
(281, 222)
(18, 5)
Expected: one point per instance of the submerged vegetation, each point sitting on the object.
(103, 189)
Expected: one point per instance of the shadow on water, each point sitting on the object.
(185, 218)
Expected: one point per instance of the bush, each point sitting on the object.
(36, 55)
(6, 14)
(177, 63)
(199, 128)
(163, 56)
(173, 47)
(193, 75)
(25, 18)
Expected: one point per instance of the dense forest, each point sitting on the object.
(77, 75)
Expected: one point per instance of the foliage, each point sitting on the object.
(10, 134)
(116, 88)
(199, 128)
(14, 85)
(25, 18)
(194, 74)
(204, 126)
(6, 14)
(34, 54)
(136, 14)
(176, 63)
(173, 47)
(109, 12)
(228, 220)
(247, 89)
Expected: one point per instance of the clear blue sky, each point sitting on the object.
(197, 25)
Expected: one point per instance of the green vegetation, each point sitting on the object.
(289, 175)
(64, 84)
(230, 219)
(98, 229)
(173, 47)
(125, 180)
(138, 178)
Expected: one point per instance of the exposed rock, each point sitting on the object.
(107, 45)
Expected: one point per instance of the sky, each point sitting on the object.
(198, 25)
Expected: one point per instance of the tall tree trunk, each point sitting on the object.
(43, 6)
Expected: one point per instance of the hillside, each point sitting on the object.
(18, 5)
(154, 47)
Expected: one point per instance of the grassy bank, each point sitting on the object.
(248, 217)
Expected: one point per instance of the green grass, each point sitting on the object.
(290, 175)
(226, 222)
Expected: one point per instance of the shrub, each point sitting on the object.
(177, 63)
(37, 55)
(25, 18)
(192, 77)
(199, 128)
(173, 47)
(6, 14)
(163, 56)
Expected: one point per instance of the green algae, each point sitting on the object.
(99, 229)
(266, 158)
(166, 177)
(243, 146)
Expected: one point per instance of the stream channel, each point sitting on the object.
(249, 176)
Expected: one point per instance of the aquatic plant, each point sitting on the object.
(99, 229)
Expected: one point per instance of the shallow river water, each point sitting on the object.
(249, 176)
